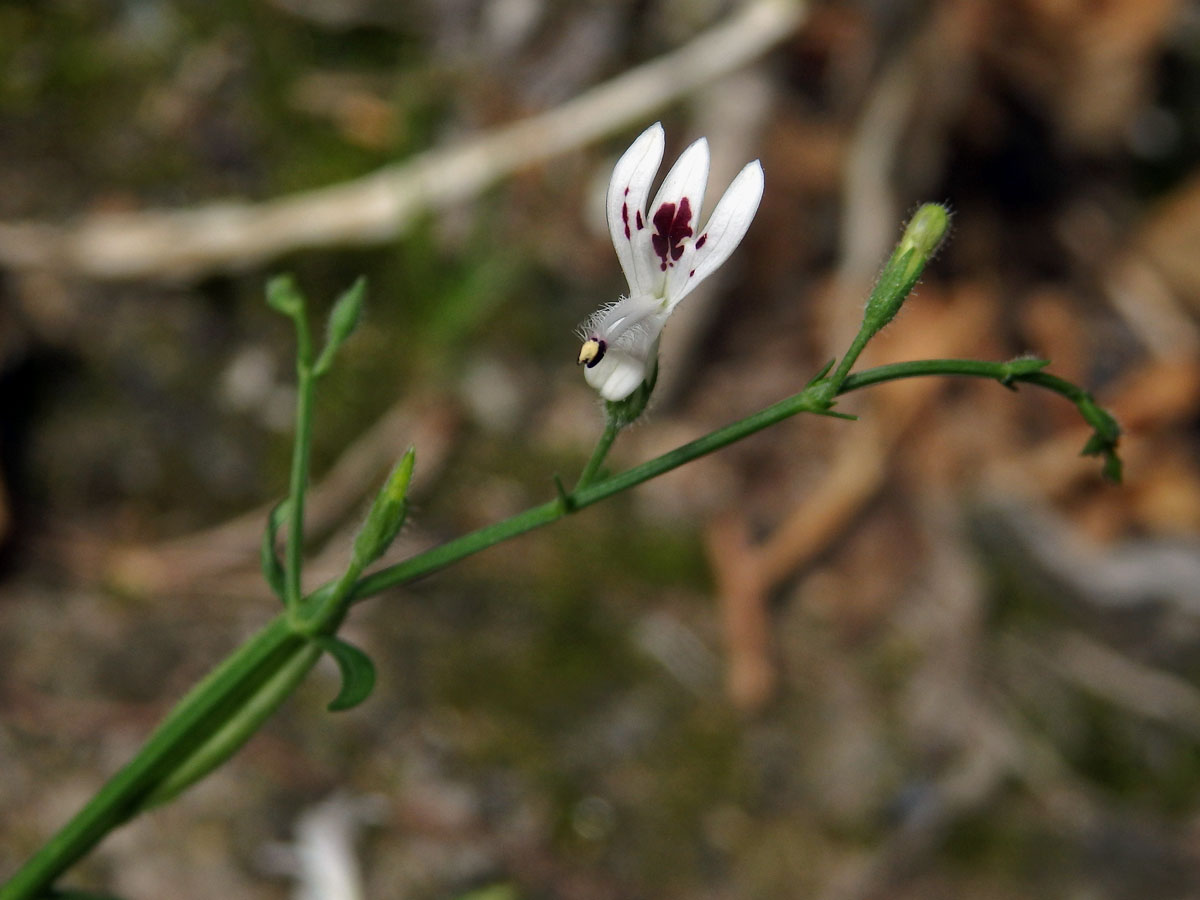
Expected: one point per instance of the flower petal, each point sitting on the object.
(627, 333)
(725, 229)
(674, 212)
(618, 374)
(626, 205)
(627, 322)
(662, 252)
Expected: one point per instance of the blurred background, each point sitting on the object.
(924, 654)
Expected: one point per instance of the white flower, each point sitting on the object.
(663, 252)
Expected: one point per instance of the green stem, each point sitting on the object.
(441, 556)
(219, 696)
(808, 400)
(1027, 371)
(293, 555)
(328, 606)
(189, 725)
(611, 430)
(838, 378)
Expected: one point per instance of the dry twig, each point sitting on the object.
(380, 206)
(746, 573)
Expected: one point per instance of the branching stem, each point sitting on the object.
(204, 710)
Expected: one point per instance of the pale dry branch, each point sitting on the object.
(906, 115)
(380, 206)
(1136, 688)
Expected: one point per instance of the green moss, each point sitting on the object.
(1001, 841)
(1135, 760)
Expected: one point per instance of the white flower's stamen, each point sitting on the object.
(592, 352)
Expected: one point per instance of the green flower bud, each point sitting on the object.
(284, 296)
(387, 515)
(926, 230)
(920, 241)
(343, 319)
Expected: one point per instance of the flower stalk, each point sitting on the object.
(284, 297)
(918, 244)
(811, 400)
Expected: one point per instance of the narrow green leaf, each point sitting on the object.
(1104, 446)
(343, 319)
(358, 672)
(564, 496)
(1021, 367)
(233, 723)
(1106, 435)
(834, 414)
(272, 568)
(824, 371)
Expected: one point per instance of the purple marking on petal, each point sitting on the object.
(662, 226)
(673, 226)
(625, 216)
(626, 191)
(692, 273)
(700, 240)
(640, 223)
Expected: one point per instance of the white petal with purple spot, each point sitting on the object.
(626, 205)
(721, 235)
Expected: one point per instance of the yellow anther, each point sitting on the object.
(591, 352)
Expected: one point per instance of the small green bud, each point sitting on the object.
(387, 514)
(396, 487)
(284, 296)
(343, 319)
(926, 230)
(920, 241)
